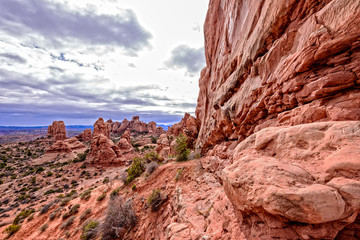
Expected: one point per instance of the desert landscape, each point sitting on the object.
(273, 151)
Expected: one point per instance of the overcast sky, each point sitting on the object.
(80, 60)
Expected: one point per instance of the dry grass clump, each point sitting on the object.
(120, 217)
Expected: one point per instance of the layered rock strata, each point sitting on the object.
(275, 63)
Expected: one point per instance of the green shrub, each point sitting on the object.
(68, 222)
(106, 180)
(135, 170)
(49, 174)
(86, 195)
(133, 187)
(178, 174)
(152, 157)
(89, 231)
(84, 214)
(65, 201)
(23, 215)
(153, 139)
(13, 228)
(101, 197)
(115, 192)
(39, 170)
(182, 151)
(155, 200)
(44, 227)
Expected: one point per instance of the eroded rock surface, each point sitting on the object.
(66, 146)
(275, 63)
(300, 181)
(85, 136)
(57, 130)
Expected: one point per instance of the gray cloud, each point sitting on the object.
(185, 57)
(58, 24)
(69, 98)
(14, 57)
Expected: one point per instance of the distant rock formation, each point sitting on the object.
(101, 127)
(85, 136)
(136, 127)
(188, 126)
(57, 130)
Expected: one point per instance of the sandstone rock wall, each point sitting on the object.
(277, 62)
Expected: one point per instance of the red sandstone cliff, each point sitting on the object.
(278, 74)
(276, 63)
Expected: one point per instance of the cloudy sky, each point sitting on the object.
(80, 60)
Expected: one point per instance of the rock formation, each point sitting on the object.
(188, 126)
(276, 63)
(124, 143)
(66, 146)
(101, 127)
(57, 130)
(136, 127)
(278, 74)
(104, 151)
(85, 136)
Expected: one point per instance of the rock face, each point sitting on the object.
(188, 126)
(104, 151)
(296, 181)
(275, 63)
(85, 136)
(57, 130)
(279, 107)
(101, 127)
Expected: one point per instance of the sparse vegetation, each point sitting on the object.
(135, 170)
(178, 174)
(44, 227)
(151, 167)
(85, 214)
(46, 208)
(153, 139)
(115, 192)
(155, 200)
(182, 151)
(22, 215)
(10, 230)
(86, 195)
(68, 222)
(101, 197)
(89, 230)
(119, 218)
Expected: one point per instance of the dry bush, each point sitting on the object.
(150, 168)
(120, 217)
